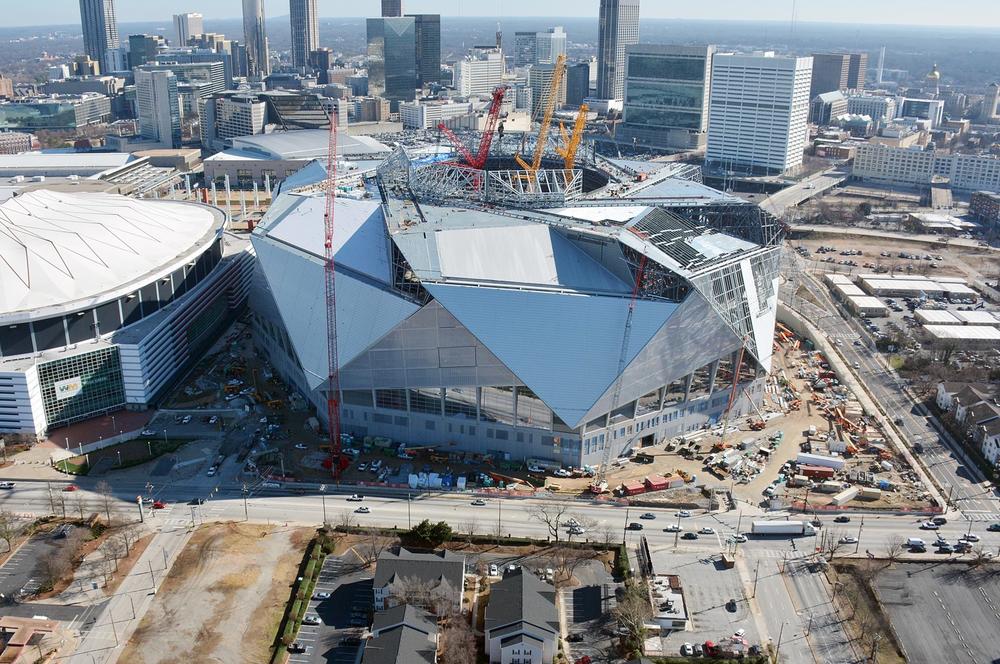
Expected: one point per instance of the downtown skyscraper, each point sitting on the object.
(392, 8)
(305, 30)
(188, 25)
(255, 37)
(100, 31)
(618, 29)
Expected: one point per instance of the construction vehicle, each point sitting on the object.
(782, 528)
(549, 108)
(571, 143)
(478, 160)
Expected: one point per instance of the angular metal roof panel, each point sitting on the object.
(542, 336)
(531, 255)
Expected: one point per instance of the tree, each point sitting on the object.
(552, 516)
(107, 498)
(346, 519)
(430, 535)
(894, 548)
(373, 546)
(566, 560)
(457, 642)
(632, 612)
(129, 532)
(52, 566)
(9, 528)
(831, 542)
(80, 502)
(435, 596)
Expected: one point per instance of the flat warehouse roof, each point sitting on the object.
(898, 284)
(835, 278)
(978, 317)
(935, 316)
(850, 290)
(964, 332)
(867, 302)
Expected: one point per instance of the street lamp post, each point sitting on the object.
(322, 494)
(409, 522)
(777, 649)
(860, 529)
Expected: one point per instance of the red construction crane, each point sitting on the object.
(478, 160)
(337, 460)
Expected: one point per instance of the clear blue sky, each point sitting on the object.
(980, 13)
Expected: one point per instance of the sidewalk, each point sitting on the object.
(35, 463)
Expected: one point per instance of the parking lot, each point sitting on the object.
(16, 574)
(344, 610)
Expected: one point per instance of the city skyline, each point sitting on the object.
(850, 11)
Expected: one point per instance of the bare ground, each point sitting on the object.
(223, 598)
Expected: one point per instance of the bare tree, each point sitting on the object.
(9, 528)
(458, 642)
(566, 560)
(346, 518)
(51, 567)
(469, 529)
(107, 498)
(80, 503)
(980, 557)
(112, 551)
(894, 548)
(552, 515)
(831, 542)
(436, 597)
(129, 532)
(607, 536)
(633, 610)
(373, 546)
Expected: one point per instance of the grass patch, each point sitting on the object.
(302, 590)
(73, 466)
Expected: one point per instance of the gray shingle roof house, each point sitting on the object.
(403, 634)
(440, 573)
(521, 619)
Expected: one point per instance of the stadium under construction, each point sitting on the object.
(564, 314)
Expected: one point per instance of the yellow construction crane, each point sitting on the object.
(550, 107)
(571, 143)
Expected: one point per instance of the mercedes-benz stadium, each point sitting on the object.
(493, 311)
(104, 299)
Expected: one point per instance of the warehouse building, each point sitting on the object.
(106, 300)
(505, 328)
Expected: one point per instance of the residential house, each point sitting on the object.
(976, 410)
(403, 634)
(426, 579)
(522, 626)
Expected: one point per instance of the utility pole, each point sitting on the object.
(756, 575)
(777, 649)
(860, 529)
(322, 494)
(409, 521)
(246, 510)
(677, 533)
(625, 526)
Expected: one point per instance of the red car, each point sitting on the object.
(159, 505)
(70, 487)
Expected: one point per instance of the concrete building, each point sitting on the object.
(827, 107)
(100, 32)
(443, 571)
(991, 104)
(140, 290)
(108, 86)
(188, 25)
(879, 109)
(143, 49)
(521, 622)
(540, 82)
(920, 167)
(392, 59)
(159, 107)
(465, 350)
(838, 71)
(255, 39)
(923, 109)
(759, 112)
(984, 207)
(13, 142)
(55, 112)
(392, 8)
(525, 49)
(479, 72)
(202, 79)
(667, 96)
(371, 109)
(618, 28)
(428, 114)
(230, 115)
(304, 21)
(427, 39)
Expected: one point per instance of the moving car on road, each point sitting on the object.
(707, 530)
(689, 536)
(478, 502)
(683, 514)
(648, 516)
(842, 519)
(363, 510)
(672, 528)
(70, 487)
(6, 485)
(848, 540)
(355, 498)
(635, 525)
(929, 525)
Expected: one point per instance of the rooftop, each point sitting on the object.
(306, 144)
(521, 597)
(964, 332)
(424, 566)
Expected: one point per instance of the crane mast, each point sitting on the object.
(329, 273)
(478, 160)
(571, 143)
(546, 124)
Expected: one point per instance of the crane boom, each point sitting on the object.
(546, 124)
(329, 273)
(478, 160)
(572, 142)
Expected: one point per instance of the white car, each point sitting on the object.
(672, 528)
(301, 446)
(707, 530)
(570, 522)
(969, 537)
(363, 510)
(186, 420)
(148, 432)
(929, 525)
(848, 540)
(576, 530)
(683, 514)
(740, 633)
(312, 619)
(562, 472)
(6, 485)
(535, 469)
(687, 650)
(478, 502)
(739, 539)
(494, 570)
(355, 498)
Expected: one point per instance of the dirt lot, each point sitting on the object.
(223, 598)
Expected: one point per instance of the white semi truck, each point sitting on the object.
(787, 528)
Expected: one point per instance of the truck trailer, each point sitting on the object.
(791, 528)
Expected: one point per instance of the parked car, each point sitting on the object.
(993, 527)
(707, 530)
(929, 525)
(739, 538)
(147, 432)
(159, 505)
(295, 646)
(576, 530)
(970, 537)
(312, 619)
(575, 637)
(301, 446)
(848, 540)
(494, 570)
(687, 650)
(70, 487)
(362, 467)
(322, 596)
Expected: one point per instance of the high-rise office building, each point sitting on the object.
(392, 8)
(666, 96)
(255, 36)
(577, 83)
(618, 28)
(392, 59)
(550, 45)
(428, 43)
(479, 72)
(525, 49)
(838, 71)
(228, 115)
(305, 30)
(540, 82)
(100, 31)
(188, 25)
(158, 107)
(758, 112)
(143, 49)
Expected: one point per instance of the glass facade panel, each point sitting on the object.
(662, 118)
(685, 95)
(390, 399)
(676, 68)
(724, 375)
(358, 397)
(532, 411)
(460, 401)
(80, 326)
(674, 392)
(426, 401)
(701, 382)
(78, 387)
(497, 405)
(49, 333)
